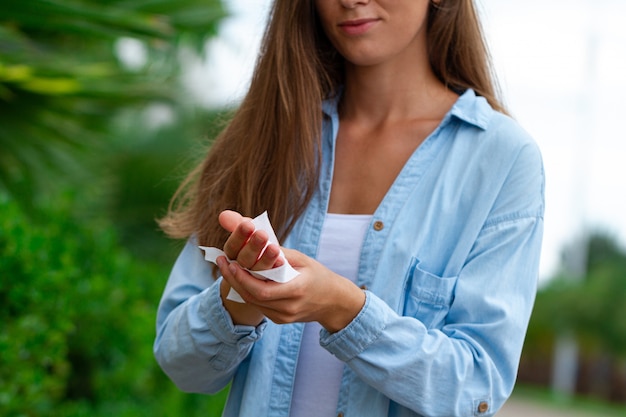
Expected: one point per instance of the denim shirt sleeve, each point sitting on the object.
(471, 359)
(197, 345)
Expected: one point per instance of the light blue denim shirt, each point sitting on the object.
(450, 265)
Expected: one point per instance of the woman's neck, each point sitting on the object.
(385, 93)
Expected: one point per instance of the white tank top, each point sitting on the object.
(318, 373)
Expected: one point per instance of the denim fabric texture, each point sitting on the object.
(450, 264)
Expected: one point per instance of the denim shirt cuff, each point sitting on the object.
(361, 332)
(223, 327)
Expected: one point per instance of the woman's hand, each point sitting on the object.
(246, 247)
(317, 294)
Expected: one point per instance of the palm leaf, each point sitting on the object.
(61, 84)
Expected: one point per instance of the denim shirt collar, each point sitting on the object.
(469, 108)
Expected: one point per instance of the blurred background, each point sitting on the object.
(104, 107)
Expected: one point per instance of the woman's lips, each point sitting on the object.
(358, 26)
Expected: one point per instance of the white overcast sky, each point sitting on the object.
(562, 68)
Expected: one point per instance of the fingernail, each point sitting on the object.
(232, 268)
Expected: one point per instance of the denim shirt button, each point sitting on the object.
(363, 287)
(378, 225)
(483, 407)
(340, 415)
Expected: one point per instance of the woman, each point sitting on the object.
(409, 203)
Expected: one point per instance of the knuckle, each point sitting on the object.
(258, 241)
(264, 294)
(290, 310)
(298, 291)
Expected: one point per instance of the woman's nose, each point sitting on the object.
(351, 4)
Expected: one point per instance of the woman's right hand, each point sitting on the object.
(248, 247)
(317, 294)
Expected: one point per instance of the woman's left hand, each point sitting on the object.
(317, 294)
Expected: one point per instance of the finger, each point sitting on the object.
(267, 296)
(230, 219)
(252, 249)
(238, 238)
(269, 259)
(228, 271)
(259, 291)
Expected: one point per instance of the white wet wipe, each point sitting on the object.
(282, 274)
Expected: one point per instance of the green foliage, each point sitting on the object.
(61, 82)
(83, 173)
(77, 322)
(592, 308)
(145, 166)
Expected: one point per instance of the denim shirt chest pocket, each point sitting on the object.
(428, 296)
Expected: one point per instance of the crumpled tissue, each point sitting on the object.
(282, 274)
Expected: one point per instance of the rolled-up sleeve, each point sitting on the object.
(197, 345)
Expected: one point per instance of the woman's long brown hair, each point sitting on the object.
(268, 156)
(458, 51)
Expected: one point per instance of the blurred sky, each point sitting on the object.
(562, 68)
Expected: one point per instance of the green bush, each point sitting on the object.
(77, 322)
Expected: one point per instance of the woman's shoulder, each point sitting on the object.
(506, 157)
(490, 130)
(504, 127)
